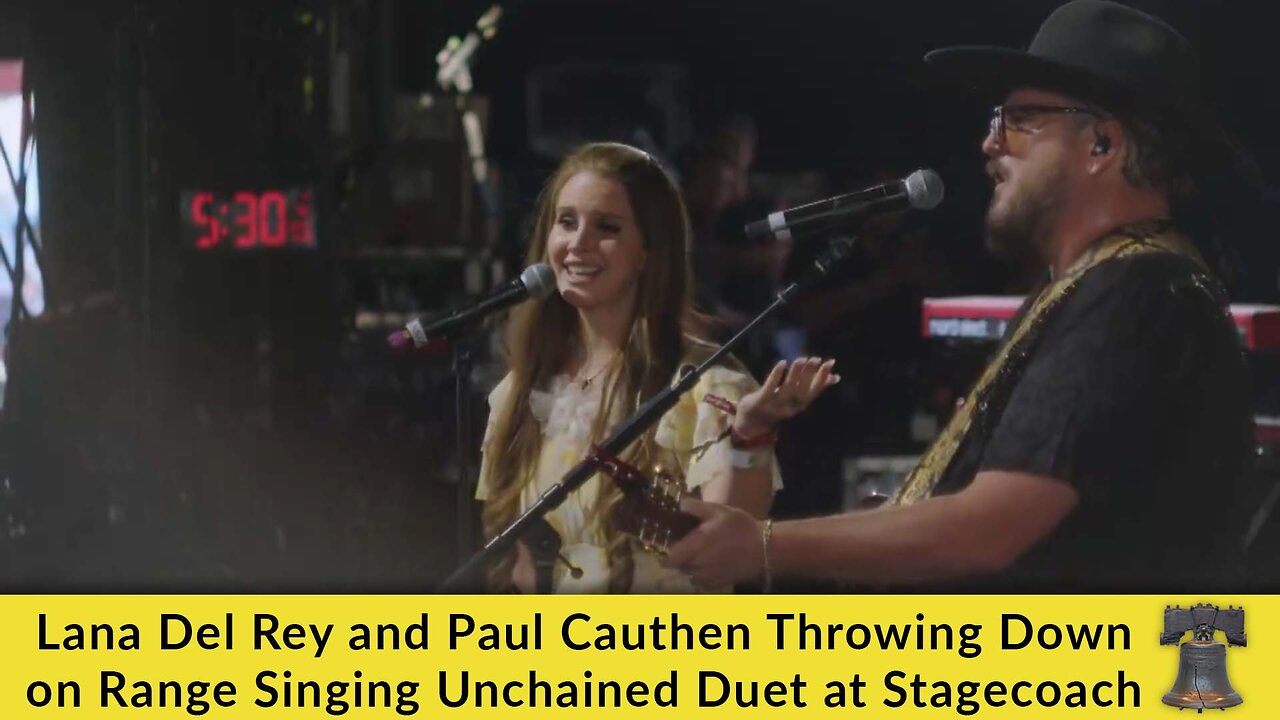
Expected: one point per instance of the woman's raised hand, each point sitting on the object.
(786, 392)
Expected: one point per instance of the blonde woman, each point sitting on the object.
(613, 227)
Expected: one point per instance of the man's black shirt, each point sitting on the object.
(1136, 395)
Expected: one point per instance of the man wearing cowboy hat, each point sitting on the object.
(1114, 409)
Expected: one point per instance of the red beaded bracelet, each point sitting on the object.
(719, 403)
(769, 438)
(765, 439)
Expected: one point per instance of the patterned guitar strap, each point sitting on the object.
(982, 401)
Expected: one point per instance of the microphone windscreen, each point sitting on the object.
(924, 189)
(539, 280)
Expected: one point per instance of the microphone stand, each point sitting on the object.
(460, 348)
(454, 73)
(454, 62)
(633, 427)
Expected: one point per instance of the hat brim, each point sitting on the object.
(995, 71)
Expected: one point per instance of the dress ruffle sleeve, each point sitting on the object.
(496, 399)
(691, 429)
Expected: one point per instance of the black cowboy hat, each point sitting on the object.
(1116, 58)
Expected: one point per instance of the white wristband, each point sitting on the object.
(748, 459)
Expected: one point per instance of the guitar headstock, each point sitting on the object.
(650, 507)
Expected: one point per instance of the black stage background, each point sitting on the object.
(184, 420)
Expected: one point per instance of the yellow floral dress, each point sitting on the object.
(566, 412)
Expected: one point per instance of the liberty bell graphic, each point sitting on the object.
(1202, 661)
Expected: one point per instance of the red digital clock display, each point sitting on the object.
(248, 220)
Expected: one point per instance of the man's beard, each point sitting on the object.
(1018, 230)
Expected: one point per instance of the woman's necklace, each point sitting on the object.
(586, 382)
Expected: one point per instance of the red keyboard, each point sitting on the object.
(986, 317)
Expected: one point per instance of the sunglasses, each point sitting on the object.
(1019, 118)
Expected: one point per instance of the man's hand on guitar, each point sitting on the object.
(726, 548)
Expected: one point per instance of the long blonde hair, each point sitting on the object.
(541, 334)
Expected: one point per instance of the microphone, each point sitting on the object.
(921, 190)
(537, 281)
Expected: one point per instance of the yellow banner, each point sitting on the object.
(462, 657)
